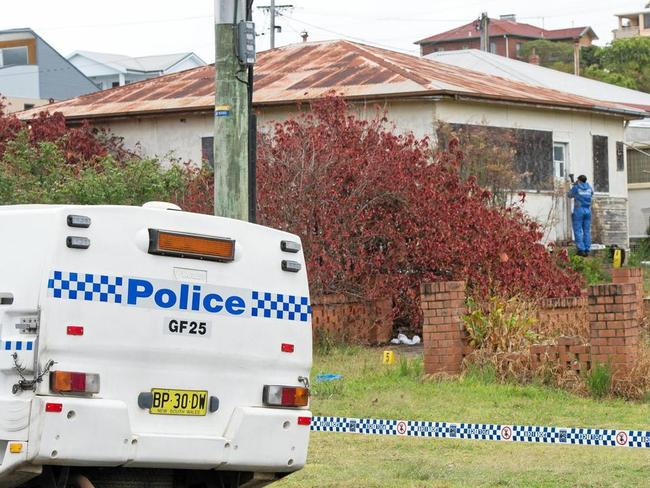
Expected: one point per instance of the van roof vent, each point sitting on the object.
(161, 206)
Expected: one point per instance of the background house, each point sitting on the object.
(32, 72)
(506, 37)
(637, 132)
(633, 24)
(111, 70)
(174, 114)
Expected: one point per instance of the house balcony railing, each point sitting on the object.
(626, 32)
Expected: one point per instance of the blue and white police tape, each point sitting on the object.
(484, 432)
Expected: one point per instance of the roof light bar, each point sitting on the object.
(72, 382)
(76, 242)
(285, 396)
(80, 221)
(192, 246)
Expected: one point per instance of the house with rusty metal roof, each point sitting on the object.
(637, 132)
(506, 37)
(173, 115)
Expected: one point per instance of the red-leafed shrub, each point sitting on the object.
(10, 126)
(379, 213)
(80, 146)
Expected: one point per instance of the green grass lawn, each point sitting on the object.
(371, 389)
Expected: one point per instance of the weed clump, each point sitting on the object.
(599, 380)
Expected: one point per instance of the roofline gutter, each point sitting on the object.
(450, 94)
(131, 114)
(456, 39)
(627, 114)
(431, 96)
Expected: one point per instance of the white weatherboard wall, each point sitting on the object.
(167, 137)
(180, 136)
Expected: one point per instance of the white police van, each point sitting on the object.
(150, 347)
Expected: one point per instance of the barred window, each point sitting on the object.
(601, 163)
(638, 165)
(207, 152)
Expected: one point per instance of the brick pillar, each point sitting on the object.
(614, 325)
(634, 276)
(443, 304)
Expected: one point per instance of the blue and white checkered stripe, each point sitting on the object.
(85, 286)
(112, 289)
(16, 345)
(280, 306)
(487, 432)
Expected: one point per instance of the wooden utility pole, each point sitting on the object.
(576, 58)
(231, 185)
(484, 28)
(273, 12)
(272, 34)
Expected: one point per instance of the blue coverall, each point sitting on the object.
(582, 193)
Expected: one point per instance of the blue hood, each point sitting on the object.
(583, 194)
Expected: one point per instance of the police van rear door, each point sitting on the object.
(183, 317)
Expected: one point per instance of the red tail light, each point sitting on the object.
(287, 347)
(304, 420)
(71, 382)
(285, 396)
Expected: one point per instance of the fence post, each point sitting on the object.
(443, 305)
(614, 325)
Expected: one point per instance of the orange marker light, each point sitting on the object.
(168, 243)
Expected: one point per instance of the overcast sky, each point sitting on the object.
(143, 27)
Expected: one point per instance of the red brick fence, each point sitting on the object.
(613, 312)
(344, 319)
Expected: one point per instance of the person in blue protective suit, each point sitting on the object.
(582, 194)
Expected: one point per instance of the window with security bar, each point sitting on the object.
(638, 165)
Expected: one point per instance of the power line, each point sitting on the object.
(364, 17)
(274, 10)
(359, 39)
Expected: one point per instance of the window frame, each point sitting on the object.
(8, 48)
(565, 161)
(637, 161)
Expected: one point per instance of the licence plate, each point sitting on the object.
(179, 402)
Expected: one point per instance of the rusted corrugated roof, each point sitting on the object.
(306, 71)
